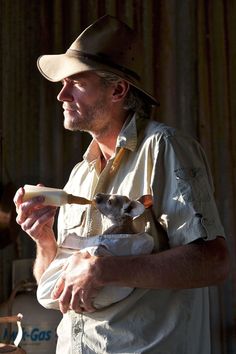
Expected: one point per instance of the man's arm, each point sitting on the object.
(195, 265)
(45, 253)
(37, 220)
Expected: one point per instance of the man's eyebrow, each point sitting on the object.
(68, 79)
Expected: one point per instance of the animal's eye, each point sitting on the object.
(109, 202)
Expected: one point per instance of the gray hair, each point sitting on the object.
(134, 101)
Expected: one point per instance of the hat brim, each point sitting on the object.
(59, 66)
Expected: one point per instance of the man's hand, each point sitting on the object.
(35, 218)
(79, 283)
(37, 221)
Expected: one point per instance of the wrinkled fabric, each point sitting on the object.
(101, 245)
(172, 167)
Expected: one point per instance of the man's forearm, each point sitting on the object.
(44, 256)
(188, 266)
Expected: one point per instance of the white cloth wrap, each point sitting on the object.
(100, 245)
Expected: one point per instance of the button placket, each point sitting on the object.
(93, 219)
(77, 333)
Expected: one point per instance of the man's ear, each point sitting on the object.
(120, 90)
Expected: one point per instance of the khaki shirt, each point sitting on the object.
(172, 167)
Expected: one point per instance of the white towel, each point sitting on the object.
(100, 245)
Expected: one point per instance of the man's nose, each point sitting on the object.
(65, 93)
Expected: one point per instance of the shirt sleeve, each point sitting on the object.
(183, 191)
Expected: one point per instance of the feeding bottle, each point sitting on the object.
(53, 196)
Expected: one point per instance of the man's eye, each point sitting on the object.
(79, 83)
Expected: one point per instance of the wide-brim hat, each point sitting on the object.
(106, 45)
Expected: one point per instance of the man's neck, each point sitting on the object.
(107, 141)
(108, 148)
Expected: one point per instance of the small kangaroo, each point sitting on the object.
(121, 211)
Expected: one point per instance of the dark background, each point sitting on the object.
(189, 52)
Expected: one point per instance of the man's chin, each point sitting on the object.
(71, 127)
(71, 124)
(75, 126)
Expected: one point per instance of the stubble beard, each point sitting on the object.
(91, 121)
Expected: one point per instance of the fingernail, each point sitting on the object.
(40, 199)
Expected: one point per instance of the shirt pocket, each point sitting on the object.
(193, 185)
(75, 216)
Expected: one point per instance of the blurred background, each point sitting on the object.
(189, 53)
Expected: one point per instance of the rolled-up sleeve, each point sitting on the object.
(182, 183)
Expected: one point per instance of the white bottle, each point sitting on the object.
(53, 196)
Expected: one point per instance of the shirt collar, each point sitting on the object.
(126, 139)
(128, 134)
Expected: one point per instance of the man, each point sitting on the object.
(168, 312)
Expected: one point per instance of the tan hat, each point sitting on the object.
(109, 45)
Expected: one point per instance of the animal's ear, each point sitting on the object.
(146, 200)
(134, 208)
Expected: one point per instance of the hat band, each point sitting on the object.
(103, 60)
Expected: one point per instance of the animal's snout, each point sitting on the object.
(99, 198)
